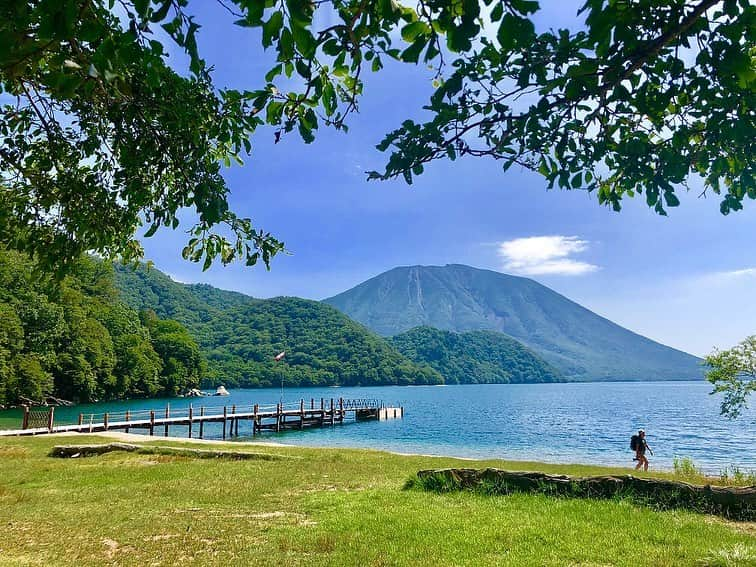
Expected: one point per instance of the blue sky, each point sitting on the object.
(684, 280)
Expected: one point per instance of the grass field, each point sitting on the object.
(325, 507)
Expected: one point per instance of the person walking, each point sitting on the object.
(639, 445)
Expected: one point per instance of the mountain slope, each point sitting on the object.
(239, 335)
(580, 343)
(475, 357)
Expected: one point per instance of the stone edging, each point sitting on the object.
(732, 502)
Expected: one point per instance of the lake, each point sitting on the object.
(575, 422)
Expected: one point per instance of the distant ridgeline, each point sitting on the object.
(579, 343)
(75, 340)
(140, 334)
(477, 357)
(239, 336)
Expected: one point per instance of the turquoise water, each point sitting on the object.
(580, 423)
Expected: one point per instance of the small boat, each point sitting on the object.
(221, 391)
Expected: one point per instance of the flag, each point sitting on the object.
(279, 356)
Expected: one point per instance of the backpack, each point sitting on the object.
(635, 442)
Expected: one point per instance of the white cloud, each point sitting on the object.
(745, 272)
(545, 255)
(726, 277)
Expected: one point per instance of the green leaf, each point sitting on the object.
(286, 45)
(141, 7)
(273, 73)
(497, 12)
(525, 6)
(329, 99)
(160, 14)
(412, 53)
(272, 28)
(152, 230)
(411, 31)
(304, 40)
(508, 32)
(671, 199)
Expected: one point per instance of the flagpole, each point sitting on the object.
(278, 358)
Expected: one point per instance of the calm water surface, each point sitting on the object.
(581, 423)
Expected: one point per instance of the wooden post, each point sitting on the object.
(331, 411)
(234, 421)
(51, 419)
(105, 421)
(202, 422)
(341, 409)
(81, 421)
(190, 421)
(25, 424)
(167, 415)
(224, 421)
(322, 404)
(152, 422)
(254, 421)
(301, 414)
(312, 403)
(278, 417)
(128, 416)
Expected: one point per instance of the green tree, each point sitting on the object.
(102, 136)
(84, 368)
(74, 338)
(31, 380)
(11, 344)
(183, 366)
(138, 366)
(647, 96)
(733, 373)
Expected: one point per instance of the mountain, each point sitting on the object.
(580, 343)
(239, 336)
(476, 357)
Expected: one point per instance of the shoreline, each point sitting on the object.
(136, 438)
(378, 387)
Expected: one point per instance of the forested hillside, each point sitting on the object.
(75, 339)
(240, 335)
(477, 357)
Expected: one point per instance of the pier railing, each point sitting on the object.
(270, 417)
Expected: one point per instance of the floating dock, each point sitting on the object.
(278, 417)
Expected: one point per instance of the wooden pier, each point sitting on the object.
(276, 418)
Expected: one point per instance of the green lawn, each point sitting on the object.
(329, 507)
